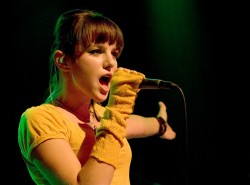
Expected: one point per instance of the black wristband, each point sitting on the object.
(162, 126)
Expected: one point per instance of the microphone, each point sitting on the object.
(150, 83)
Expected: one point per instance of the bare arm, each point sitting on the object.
(59, 164)
(139, 126)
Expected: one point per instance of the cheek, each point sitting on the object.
(79, 74)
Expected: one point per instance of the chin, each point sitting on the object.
(101, 98)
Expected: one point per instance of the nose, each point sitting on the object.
(110, 62)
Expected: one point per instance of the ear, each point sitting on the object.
(61, 61)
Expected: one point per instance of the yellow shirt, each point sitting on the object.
(40, 123)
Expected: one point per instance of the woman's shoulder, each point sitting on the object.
(42, 113)
(43, 116)
(39, 109)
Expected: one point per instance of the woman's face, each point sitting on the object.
(92, 72)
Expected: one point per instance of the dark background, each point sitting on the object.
(201, 46)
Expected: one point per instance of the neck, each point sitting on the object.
(82, 112)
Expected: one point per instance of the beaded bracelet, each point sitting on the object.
(163, 126)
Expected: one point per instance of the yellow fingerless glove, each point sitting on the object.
(110, 135)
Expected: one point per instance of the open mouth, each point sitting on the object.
(105, 80)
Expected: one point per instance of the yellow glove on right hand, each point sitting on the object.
(110, 135)
(123, 92)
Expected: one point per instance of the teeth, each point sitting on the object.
(107, 78)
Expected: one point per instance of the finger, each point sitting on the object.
(162, 110)
(162, 106)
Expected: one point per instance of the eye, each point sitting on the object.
(115, 54)
(95, 51)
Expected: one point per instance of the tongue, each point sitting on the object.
(103, 82)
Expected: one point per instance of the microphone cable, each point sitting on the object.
(186, 135)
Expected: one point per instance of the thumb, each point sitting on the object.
(162, 110)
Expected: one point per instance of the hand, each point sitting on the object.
(111, 133)
(123, 92)
(169, 134)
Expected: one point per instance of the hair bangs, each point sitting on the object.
(101, 30)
